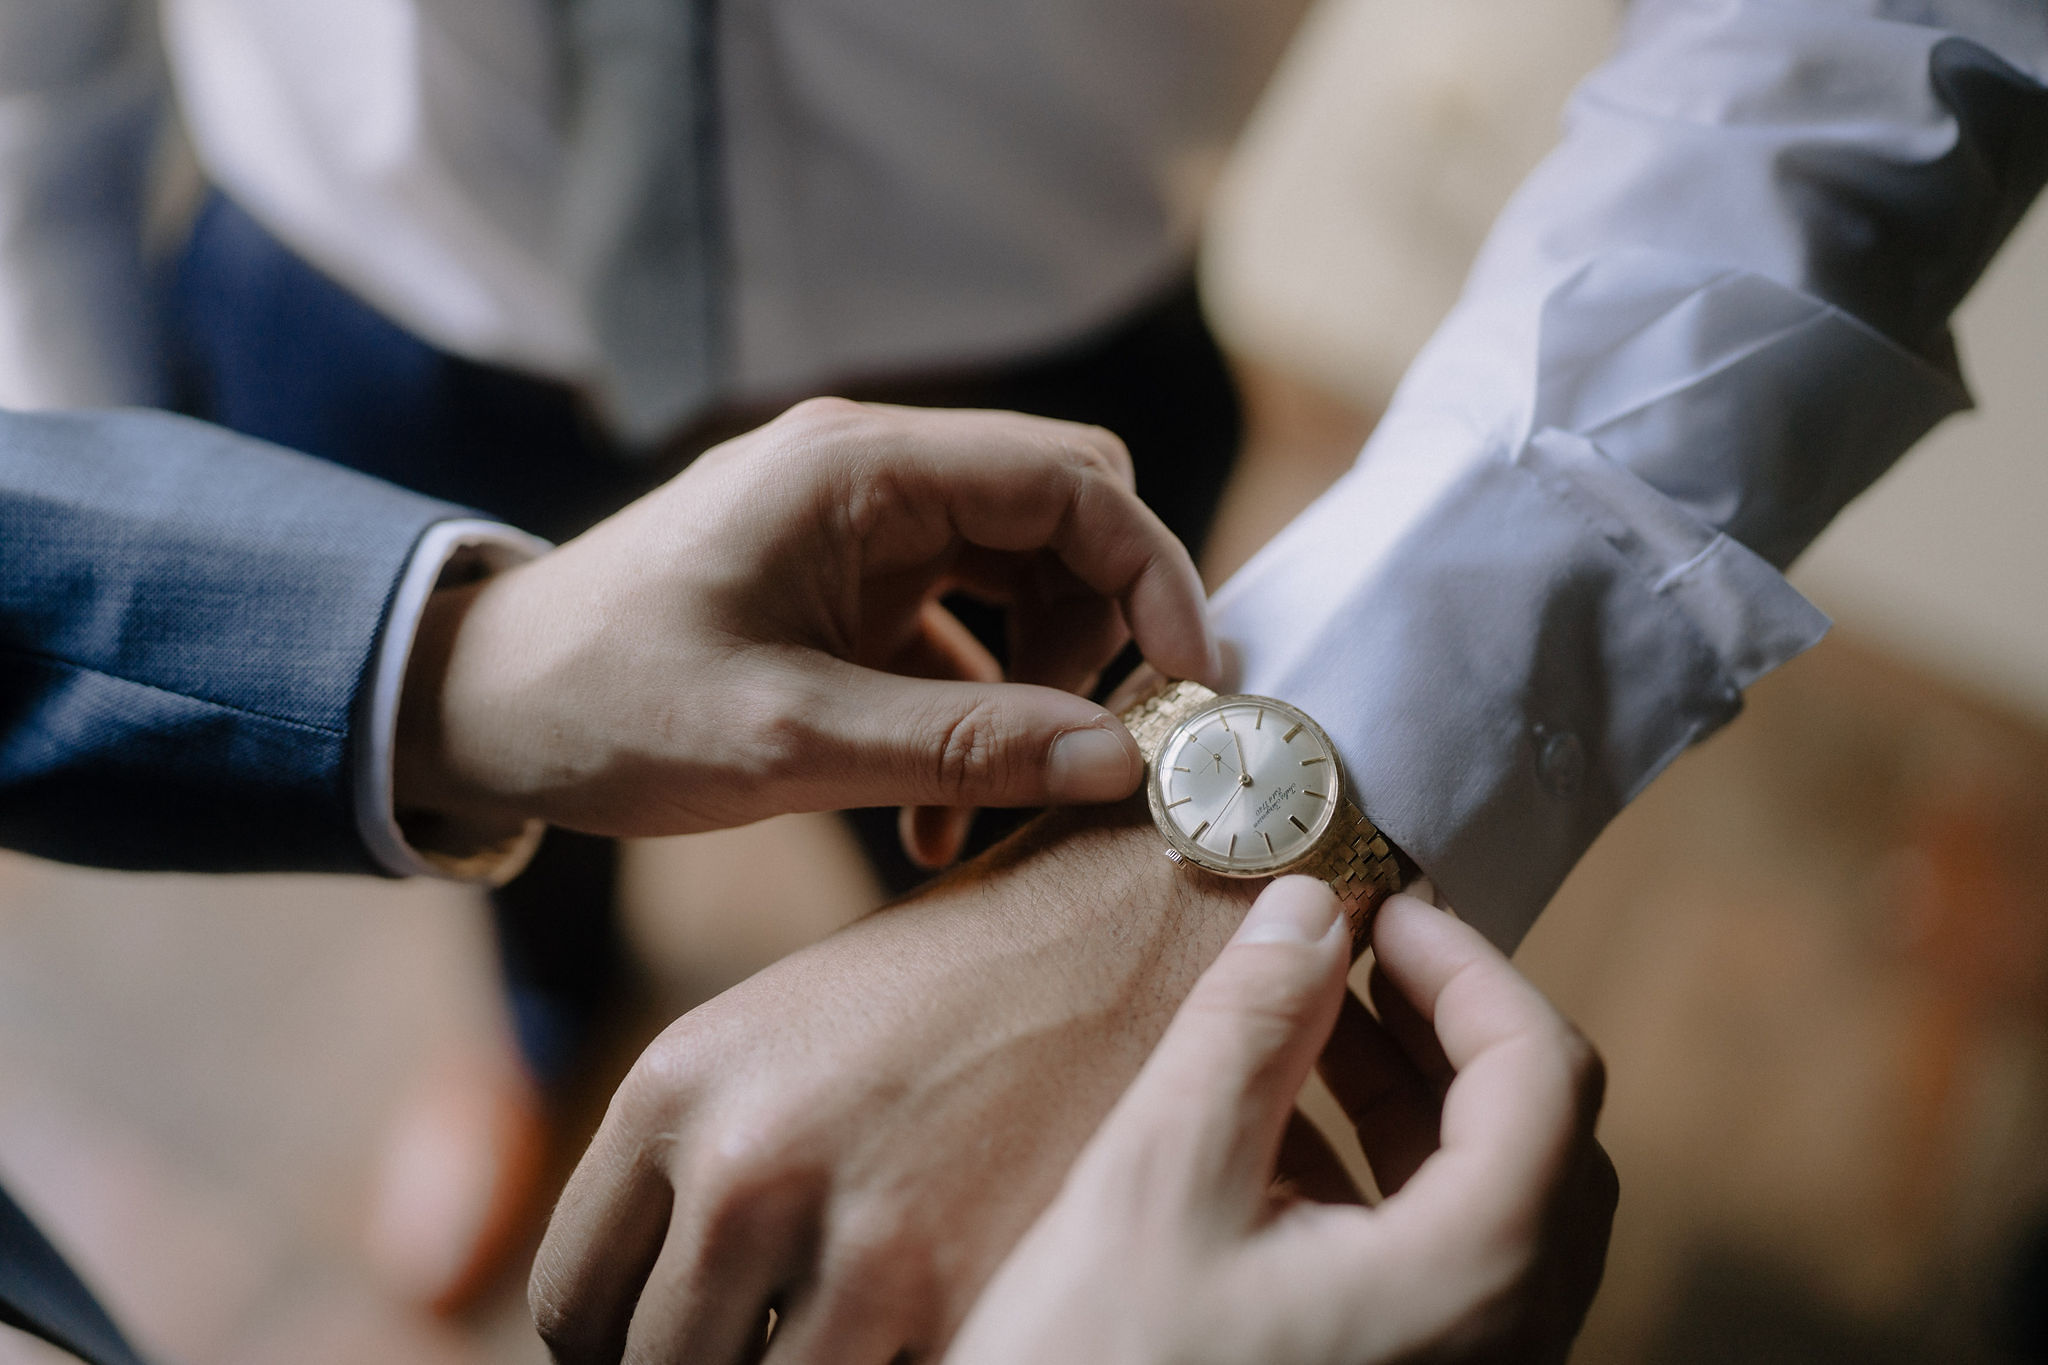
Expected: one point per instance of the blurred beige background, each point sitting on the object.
(1341, 235)
(1816, 954)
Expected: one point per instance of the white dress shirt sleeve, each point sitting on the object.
(1713, 316)
(487, 547)
(81, 103)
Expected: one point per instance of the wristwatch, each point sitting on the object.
(1248, 786)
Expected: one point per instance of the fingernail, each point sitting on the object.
(1090, 765)
(1291, 910)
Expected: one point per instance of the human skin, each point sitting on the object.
(1170, 1241)
(763, 634)
(857, 1135)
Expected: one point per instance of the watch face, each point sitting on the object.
(1245, 786)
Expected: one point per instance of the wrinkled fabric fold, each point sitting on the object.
(1711, 318)
(187, 620)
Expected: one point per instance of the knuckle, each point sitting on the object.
(772, 732)
(744, 1184)
(879, 1254)
(1104, 451)
(1094, 478)
(780, 749)
(823, 413)
(976, 754)
(879, 494)
(821, 448)
(668, 1068)
(748, 1181)
(870, 1241)
(665, 1081)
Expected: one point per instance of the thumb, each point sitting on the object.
(1210, 1105)
(882, 739)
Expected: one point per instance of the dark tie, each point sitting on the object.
(642, 216)
(42, 1295)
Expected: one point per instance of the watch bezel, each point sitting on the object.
(1190, 851)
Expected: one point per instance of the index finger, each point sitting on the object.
(1527, 1086)
(1009, 482)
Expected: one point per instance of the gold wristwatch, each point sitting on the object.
(1246, 786)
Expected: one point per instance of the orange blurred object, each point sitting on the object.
(456, 1179)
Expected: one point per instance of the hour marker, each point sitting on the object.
(1182, 802)
(1177, 768)
(1197, 835)
(1296, 822)
(1233, 847)
(1225, 720)
(1312, 792)
(1269, 840)
(1259, 723)
(1307, 761)
(1288, 738)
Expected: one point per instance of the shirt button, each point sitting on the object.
(1560, 761)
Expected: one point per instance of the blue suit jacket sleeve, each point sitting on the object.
(186, 620)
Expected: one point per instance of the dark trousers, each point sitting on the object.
(263, 343)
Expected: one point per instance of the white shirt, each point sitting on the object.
(1710, 318)
(375, 738)
(911, 183)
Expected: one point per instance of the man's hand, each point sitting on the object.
(763, 634)
(857, 1135)
(1167, 1244)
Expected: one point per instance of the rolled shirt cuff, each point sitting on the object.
(1505, 649)
(1708, 321)
(490, 858)
(1556, 563)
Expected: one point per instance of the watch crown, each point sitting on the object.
(1175, 855)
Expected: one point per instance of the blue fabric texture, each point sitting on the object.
(264, 344)
(41, 1294)
(186, 619)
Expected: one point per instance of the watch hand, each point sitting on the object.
(1244, 769)
(1235, 792)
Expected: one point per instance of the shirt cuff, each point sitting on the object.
(482, 547)
(1504, 650)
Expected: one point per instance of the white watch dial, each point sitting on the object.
(1245, 785)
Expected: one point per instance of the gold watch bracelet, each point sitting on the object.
(1358, 862)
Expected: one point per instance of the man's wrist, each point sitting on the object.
(418, 818)
(453, 823)
(1090, 873)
